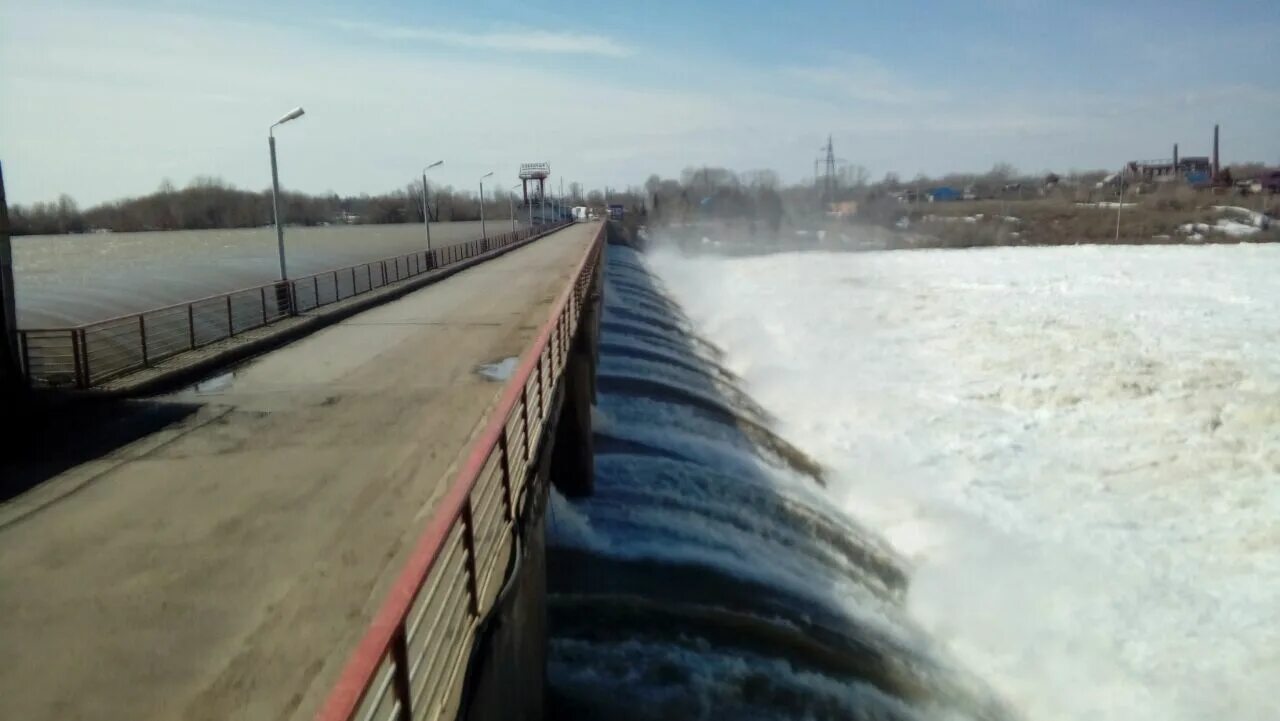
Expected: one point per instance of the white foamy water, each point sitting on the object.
(1078, 448)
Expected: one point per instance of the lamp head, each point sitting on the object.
(291, 115)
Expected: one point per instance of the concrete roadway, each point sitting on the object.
(224, 566)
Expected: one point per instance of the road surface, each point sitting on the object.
(224, 566)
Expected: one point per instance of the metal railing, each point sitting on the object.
(90, 354)
(411, 661)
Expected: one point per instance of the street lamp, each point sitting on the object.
(426, 209)
(511, 205)
(482, 177)
(275, 185)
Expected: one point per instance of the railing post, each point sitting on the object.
(191, 326)
(504, 456)
(263, 290)
(231, 325)
(83, 359)
(336, 295)
(524, 419)
(383, 263)
(25, 349)
(400, 680)
(353, 281)
(564, 334)
(315, 284)
(469, 543)
(75, 354)
(142, 335)
(542, 400)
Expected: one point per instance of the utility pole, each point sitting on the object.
(1119, 205)
(828, 176)
(829, 188)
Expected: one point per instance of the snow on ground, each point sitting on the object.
(1079, 447)
(1256, 218)
(1226, 226)
(968, 218)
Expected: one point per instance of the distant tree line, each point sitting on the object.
(211, 203)
(757, 197)
(716, 193)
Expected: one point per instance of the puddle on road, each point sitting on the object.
(499, 371)
(216, 384)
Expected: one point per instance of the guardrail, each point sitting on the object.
(90, 354)
(411, 660)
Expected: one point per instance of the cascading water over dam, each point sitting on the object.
(709, 575)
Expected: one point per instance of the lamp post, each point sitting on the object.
(10, 368)
(482, 177)
(426, 209)
(275, 186)
(511, 205)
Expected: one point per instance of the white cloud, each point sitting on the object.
(864, 79)
(527, 40)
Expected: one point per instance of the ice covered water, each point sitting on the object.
(1076, 449)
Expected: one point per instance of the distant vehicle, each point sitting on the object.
(580, 213)
(616, 211)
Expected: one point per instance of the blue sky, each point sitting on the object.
(105, 99)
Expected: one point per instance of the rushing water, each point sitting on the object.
(1078, 450)
(709, 576)
(68, 279)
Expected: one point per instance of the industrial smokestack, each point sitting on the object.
(1215, 152)
(1175, 159)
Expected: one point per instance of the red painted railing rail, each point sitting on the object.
(90, 354)
(410, 662)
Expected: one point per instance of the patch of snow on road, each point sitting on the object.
(499, 371)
